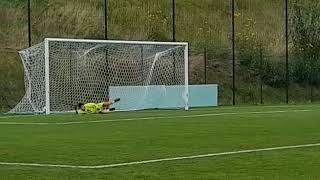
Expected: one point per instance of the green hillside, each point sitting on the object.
(260, 32)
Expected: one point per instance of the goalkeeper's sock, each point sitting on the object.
(116, 100)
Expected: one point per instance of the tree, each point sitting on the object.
(305, 35)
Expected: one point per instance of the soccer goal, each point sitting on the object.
(60, 73)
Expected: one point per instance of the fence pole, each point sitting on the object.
(205, 65)
(287, 54)
(233, 56)
(29, 24)
(311, 79)
(311, 93)
(260, 75)
(106, 37)
(173, 20)
(106, 19)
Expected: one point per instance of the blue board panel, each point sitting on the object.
(203, 95)
(150, 97)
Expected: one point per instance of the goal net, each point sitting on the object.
(59, 73)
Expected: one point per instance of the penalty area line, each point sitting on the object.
(154, 118)
(161, 160)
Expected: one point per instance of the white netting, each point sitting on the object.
(87, 71)
(33, 62)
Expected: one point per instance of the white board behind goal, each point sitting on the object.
(59, 73)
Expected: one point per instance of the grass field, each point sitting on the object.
(124, 137)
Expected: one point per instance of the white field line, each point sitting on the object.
(16, 116)
(153, 118)
(161, 160)
(193, 110)
(196, 109)
(257, 107)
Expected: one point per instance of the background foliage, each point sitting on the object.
(205, 24)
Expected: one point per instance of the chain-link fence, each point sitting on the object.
(257, 51)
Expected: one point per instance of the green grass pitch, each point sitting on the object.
(122, 137)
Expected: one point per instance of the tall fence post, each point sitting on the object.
(311, 79)
(106, 19)
(311, 93)
(173, 20)
(29, 24)
(287, 54)
(233, 55)
(260, 75)
(106, 37)
(205, 65)
(174, 36)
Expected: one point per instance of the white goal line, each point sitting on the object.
(161, 160)
(153, 118)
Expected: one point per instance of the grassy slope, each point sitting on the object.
(115, 142)
(202, 23)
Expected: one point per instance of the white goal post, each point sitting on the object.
(59, 73)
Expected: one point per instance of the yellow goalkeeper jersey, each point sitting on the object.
(92, 108)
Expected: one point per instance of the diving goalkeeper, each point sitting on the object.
(96, 108)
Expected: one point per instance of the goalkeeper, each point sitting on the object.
(96, 108)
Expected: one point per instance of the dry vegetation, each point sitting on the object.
(203, 23)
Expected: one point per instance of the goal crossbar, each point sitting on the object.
(118, 42)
